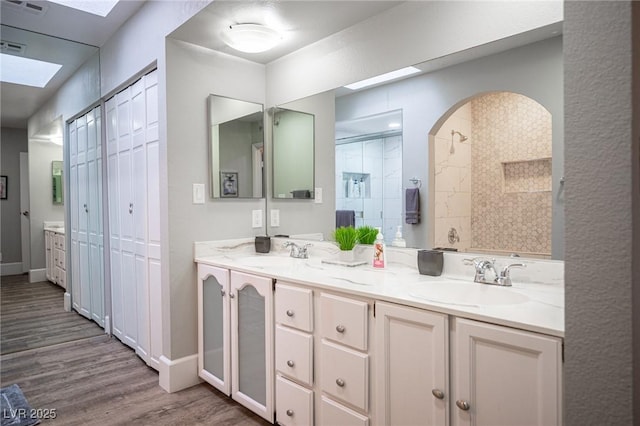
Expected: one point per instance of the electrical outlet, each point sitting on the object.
(256, 218)
(318, 196)
(275, 218)
(198, 193)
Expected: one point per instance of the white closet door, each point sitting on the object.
(85, 170)
(133, 168)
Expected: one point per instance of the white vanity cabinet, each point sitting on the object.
(235, 336)
(294, 355)
(412, 354)
(55, 258)
(504, 376)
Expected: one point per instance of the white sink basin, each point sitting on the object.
(266, 261)
(467, 294)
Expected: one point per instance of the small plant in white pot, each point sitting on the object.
(346, 237)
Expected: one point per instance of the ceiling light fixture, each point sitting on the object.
(26, 71)
(394, 125)
(403, 72)
(251, 38)
(95, 7)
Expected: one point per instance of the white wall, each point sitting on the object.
(602, 272)
(407, 34)
(14, 141)
(193, 73)
(534, 70)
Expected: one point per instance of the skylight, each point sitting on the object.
(26, 71)
(96, 7)
(382, 78)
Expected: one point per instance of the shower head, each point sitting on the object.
(462, 137)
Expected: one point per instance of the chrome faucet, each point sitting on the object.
(482, 265)
(297, 251)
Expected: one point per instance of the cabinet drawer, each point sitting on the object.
(344, 320)
(294, 354)
(294, 307)
(332, 413)
(61, 259)
(294, 404)
(59, 241)
(344, 374)
(61, 278)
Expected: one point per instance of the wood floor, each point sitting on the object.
(65, 363)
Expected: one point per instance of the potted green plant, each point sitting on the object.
(346, 237)
(366, 234)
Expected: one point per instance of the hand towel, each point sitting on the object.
(412, 206)
(345, 218)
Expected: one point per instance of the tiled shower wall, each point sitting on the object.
(380, 203)
(511, 174)
(453, 181)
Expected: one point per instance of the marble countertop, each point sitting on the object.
(54, 227)
(532, 306)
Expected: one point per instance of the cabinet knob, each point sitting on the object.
(130, 208)
(340, 328)
(463, 405)
(438, 393)
(340, 382)
(86, 210)
(289, 313)
(290, 363)
(290, 412)
(222, 293)
(231, 295)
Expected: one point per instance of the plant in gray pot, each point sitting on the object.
(346, 237)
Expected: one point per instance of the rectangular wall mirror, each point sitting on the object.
(57, 182)
(293, 154)
(236, 148)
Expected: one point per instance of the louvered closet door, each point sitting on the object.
(134, 207)
(86, 252)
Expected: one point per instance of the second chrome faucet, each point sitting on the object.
(297, 251)
(486, 272)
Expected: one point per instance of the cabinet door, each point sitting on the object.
(214, 354)
(505, 376)
(412, 351)
(252, 342)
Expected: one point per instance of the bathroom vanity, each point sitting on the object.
(55, 253)
(302, 342)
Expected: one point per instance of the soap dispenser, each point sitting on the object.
(398, 241)
(379, 250)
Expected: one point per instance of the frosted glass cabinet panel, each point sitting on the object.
(252, 342)
(213, 333)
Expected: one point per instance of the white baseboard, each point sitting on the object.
(14, 268)
(37, 275)
(178, 374)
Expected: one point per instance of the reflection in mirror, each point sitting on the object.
(293, 154)
(369, 171)
(56, 173)
(492, 177)
(236, 148)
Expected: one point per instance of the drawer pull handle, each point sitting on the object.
(340, 382)
(289, 313)
(463, 405)
(438, 393)
(290, 363)
(290, 412)
(340, 328)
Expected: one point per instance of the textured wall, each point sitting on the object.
(511, 174)
(600, 190)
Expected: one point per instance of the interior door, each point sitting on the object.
(25, 233)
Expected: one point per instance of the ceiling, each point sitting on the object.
(52, 33)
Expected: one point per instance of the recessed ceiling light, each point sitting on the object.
(26, 71)
(95, 7)
(394, 125)
(251, 38)
(383, 77)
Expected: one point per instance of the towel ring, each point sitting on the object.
(417, 182)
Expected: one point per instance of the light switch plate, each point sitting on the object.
(198, 193)
(318, 195)
(275, 218)
(256, 218)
